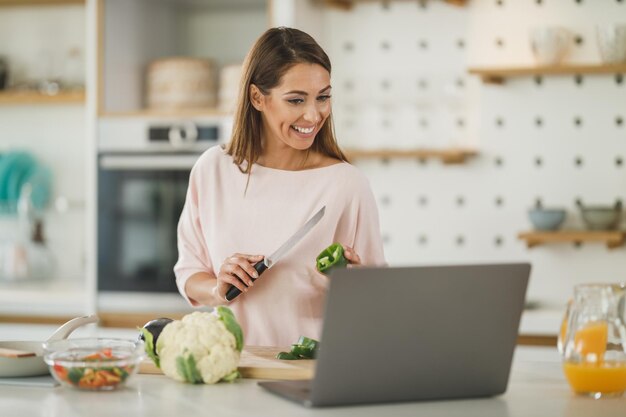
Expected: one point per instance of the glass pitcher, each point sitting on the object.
(592, 340)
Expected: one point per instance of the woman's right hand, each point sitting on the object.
(237, 270)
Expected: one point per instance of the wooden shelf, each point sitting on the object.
(203, 112)
(348, 4)
(39, 2)
(17, 97)
(497, 75)
(447, 156)
(612, 239)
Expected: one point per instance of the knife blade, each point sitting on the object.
(271, 260)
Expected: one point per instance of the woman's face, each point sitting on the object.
(296, 109)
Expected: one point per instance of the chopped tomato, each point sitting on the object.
(95, 377)
(60, 371)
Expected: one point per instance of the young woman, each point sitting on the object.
(281, 166)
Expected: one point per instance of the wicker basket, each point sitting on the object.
(230, 79)
(176, 83)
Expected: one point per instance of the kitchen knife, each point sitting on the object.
(269, 261)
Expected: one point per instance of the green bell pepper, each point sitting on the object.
(330, 258)
(306, 348)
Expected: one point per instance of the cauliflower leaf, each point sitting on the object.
(187, 368)
(227, 316)
(232, 376)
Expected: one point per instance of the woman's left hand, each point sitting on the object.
(351, 255)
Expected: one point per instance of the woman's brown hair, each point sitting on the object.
(272, 55)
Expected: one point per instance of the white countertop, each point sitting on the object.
(536, 388)
(541, 322)
(44, 298)
(71, 298)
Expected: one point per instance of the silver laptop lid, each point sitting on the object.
(427, 333)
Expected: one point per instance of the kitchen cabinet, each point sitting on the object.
(44, 46)
(41, 64)
(497, 75)
(132, 34)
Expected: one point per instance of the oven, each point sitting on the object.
(142, 184)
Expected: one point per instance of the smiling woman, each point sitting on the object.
(292, 118)
(280, 167)
(286, 92)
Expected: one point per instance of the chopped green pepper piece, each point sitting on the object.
(75, 374)
(306, 348)
(301, 351)
(286, 356)
(330, 258)
(305, 341)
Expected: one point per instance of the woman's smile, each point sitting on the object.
(304, 132)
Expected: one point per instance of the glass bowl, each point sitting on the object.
(93, 363)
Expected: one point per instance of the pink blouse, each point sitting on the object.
(219, 219)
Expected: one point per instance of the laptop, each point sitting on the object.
(414, 333)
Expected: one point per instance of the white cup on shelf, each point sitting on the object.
(550, 44)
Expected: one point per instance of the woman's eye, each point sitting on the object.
(323, 98)
(295, 100)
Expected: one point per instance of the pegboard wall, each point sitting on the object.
(400, 81)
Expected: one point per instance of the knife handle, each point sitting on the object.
(233, 291)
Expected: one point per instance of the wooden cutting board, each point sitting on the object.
(259, 362)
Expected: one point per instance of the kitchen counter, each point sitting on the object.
(66, 298)
(537, 387)
(543, 322)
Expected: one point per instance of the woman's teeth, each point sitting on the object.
(303, 130)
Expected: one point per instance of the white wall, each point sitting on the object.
(433, 214)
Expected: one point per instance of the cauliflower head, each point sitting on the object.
(201, 347)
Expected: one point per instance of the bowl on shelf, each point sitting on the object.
(601, 217)
(612, 42)
(550, 44)
(93, 363)
(546, 218)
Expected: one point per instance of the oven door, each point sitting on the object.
(140, 199)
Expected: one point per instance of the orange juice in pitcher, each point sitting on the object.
(592, 340)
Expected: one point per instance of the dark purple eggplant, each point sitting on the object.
(150, 333)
